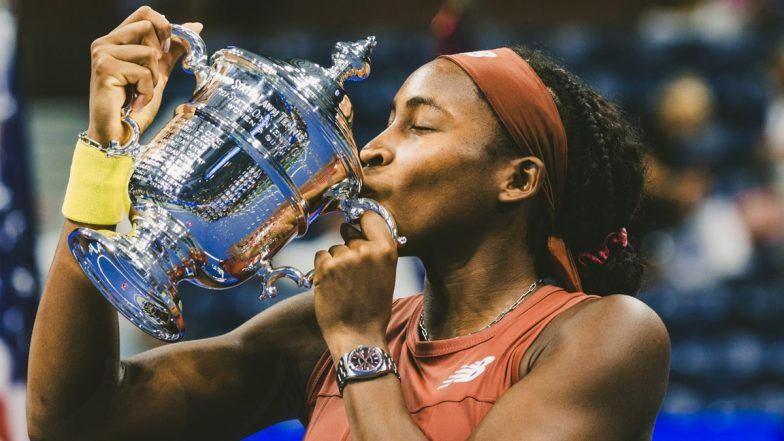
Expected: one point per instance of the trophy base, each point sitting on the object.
(138, 273)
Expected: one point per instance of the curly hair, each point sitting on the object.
(604, 183)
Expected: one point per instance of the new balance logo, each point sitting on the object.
(481, 54)
(468, 372)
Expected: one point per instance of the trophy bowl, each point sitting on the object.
(263, 147)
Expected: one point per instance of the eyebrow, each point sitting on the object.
(417, 101)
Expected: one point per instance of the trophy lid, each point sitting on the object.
(314, 89)
(351, 62)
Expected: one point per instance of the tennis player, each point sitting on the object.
(513, 182)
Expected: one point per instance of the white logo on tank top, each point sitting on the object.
(468, 372)
(481, 54)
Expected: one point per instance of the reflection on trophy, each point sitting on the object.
(262, 148)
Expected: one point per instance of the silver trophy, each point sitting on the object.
(262, 148)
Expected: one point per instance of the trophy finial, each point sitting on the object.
(351, 61)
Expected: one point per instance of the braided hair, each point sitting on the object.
(604, 182)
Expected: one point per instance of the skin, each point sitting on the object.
(597, 372)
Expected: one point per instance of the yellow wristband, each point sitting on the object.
(97, 190)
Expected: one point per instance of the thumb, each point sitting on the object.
(177, 50)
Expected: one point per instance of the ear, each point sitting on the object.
(521, 179)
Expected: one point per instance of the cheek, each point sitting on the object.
(442, 192)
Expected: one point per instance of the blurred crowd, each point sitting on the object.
(712, 228)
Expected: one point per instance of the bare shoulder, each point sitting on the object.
(615, 323)
(599, 372)
(615, 339)
(612, 352)
(607, 327)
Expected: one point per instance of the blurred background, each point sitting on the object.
(703, 79)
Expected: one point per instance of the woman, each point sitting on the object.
(474, 168)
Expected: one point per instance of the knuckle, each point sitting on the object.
(146, 83)
(153, 55)
(320, 259)
(386, 253)
(377, 258)
(144, 75)
(96, 54)
(145, 10)
(95, 46)
(325, 267)
(147, 26)
(390, 249)
(100, 62)
(364, 250)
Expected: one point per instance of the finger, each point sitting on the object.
(337, 250)
(177, 50)
(161, 25)
(321, 257)
(138, 54)
(123, 73)
(350, 233)
(140, 32)
(145, 90)
(375, 229)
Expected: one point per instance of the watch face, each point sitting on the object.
(365, 359)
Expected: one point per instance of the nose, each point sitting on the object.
(376, 152)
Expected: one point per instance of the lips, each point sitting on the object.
(367, 182)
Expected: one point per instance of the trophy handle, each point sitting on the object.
(195, 62)
(132, 148)
(353, 208)
(271, 275)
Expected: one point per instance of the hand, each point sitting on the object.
(137, 53)
(354, 284)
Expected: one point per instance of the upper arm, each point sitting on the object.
(601, 378)
(225, 387)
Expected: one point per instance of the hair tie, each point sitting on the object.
(600, 255)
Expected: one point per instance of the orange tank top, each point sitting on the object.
(449, 385)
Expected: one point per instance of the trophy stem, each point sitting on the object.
(138, 273)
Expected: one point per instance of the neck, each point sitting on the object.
(469, 285)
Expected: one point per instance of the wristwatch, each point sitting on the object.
(364, 363)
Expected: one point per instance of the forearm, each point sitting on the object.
(74, 355)
(375, 408)
(353, 286)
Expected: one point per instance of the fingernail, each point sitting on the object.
(167, 45)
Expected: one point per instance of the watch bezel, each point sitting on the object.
(350, 366)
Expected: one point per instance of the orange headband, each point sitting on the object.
(527, 110)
